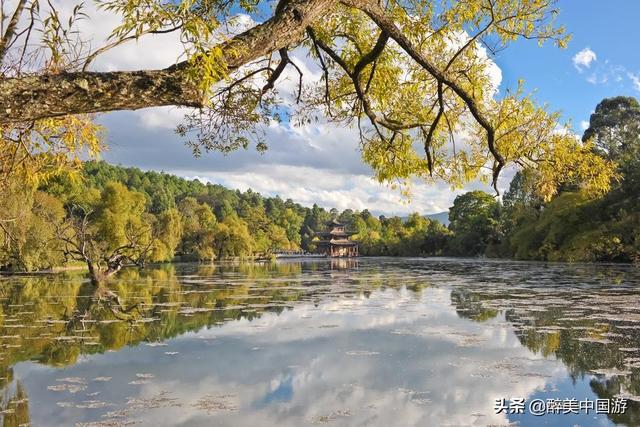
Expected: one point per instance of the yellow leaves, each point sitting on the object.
(141, 17)
(195, 21)
(531, 137)
(526, 135)
(395, 91)
(391, 162)
(508, 19)
(75, 134)
(568, 161)
(400, 97)
(37, 152)
(208, 66)
(119, 216)
(563, 42)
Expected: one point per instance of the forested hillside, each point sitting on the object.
(111, 215)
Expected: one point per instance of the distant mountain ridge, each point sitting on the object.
(442, 217)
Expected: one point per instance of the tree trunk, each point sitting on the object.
(98, 276)
(94, 273)
(41, 96)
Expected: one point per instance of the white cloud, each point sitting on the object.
(635, 79)
(584, 58)
(155, 51)
(332, 189)
(584, 125)
(162, 117)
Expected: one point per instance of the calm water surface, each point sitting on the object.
(367, 342)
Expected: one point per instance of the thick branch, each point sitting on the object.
(284, 61)
(37, 97)
(7, 37)
(377, 14)
(355, 75)
(432, 129)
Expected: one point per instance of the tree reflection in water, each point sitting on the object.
(15, 408)
(586, 317)
(590, 320)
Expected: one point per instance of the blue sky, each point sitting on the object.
(609, 28)
(320, 163)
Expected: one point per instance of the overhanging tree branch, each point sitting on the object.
(42, 96)
(369, 82)
(377, 14)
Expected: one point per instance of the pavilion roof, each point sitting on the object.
(334, 233)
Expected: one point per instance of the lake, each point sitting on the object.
(361, 342)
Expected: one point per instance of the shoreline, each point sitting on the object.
(84, 269)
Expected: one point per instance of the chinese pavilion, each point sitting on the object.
(335, 242)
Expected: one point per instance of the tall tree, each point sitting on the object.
(474, 221)
(28, 240)
(232, 238)
(168, 227)
(614, 128)
(109, 232)
(198, 224)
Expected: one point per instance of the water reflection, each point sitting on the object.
(366, 342)
(586, 316)
(15, 408)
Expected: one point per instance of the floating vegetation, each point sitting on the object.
(404, 332)
(72, 380)
(122, 413)
(162, 399)
(66, 404)
(610, 372)
(147, 320)
(595, 340)
(156, 344)
(324, 419)
(361, 353)
(213, 404)
(71, 388)
(145, 376)
(108, 423)
(92, 404)
(420, 397)
(193, 310)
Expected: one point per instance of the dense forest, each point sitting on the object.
(110, 216)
